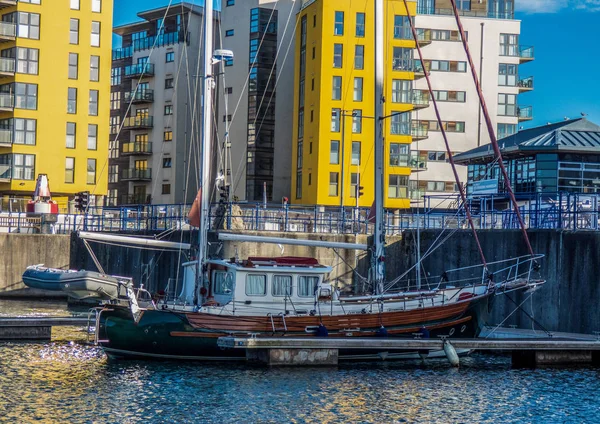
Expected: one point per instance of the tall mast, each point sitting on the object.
(207, 130)
(379, 235)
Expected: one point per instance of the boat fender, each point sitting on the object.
(322, 331)
(381, 332)
(451, 354)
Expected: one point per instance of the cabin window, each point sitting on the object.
(256, 285)
(222, 282)
(306, 286)
(282, 285)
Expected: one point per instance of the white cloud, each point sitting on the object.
(553, 6)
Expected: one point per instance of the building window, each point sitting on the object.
(73, 61)
(436, 186)
(166, 162)
(448, 66)
(449, 126)
(72, 100)
(335, 119)
(337, 88)
(509, 45)
(96, 6)
(300, 123)
(168, 82)
(229, 33)
(401, 91)
(507, 104)
(463, 5)
(360, 24)
(299, 155)
(25, 96)
(25, 131)
(398, 187)
(31, 1)
(166, 189)
(226, 118)
(29, 25)
(74, 31)
(170, 57)
(504, 130)
(168, 109)
(399, 154)
(449, 96)
(400, 123)
(355, 153)
(94, 68)
(358, 89)
(356, 121)
(402, 28)
(228, 90)
(113, 149)
(299, 184)
(334, 152)
(436, 156)
(95, 36)
(507, 75)
(115, 76)
(75, 4)
(333, 183)
(111, 198)
(168, 136)
(92, 137)
(230, 3)
(71, 135)
(339, 23)
(23, 167)
(403, 59)
(309, 178)
(359, 56)
(113, 174)
(70, 170)
(443, 34)
(338, 53)
(93, 105)
(27, 60)
(91, 171)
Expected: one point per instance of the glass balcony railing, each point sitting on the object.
(7, 65)
(399, 160)
(525, 84)
(419, 131)
(525, 113)
(418, 163)
(423, 36)
(138, 69)
(136, 174)
(492, 14)
(137, 148)
(526, 53)
(147, 43)
(416, 194)
(6, 137)
(8, 30)
(139, 96)
(420, 99)
(7, 101)
(133, 122)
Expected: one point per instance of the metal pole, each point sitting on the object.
(343, 118)
(379, 236)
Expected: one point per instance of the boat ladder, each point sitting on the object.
(280, 329)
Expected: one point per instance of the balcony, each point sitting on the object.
(137, 148)
(138, 122)
(420, 99)
(7, 3)
(416, 194)
(6, 138)
(418, 163)
(7, 67)
(139, 70)
(135, 199)
(7, 102)
(423, 37)
(420, 69)
(148, 43)
(429, 10)
(134, 174)
(525, 113)
(419, 130)
(525, 54)
(525, 84)
(139, 96)
(8, 32)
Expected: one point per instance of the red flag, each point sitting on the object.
(194, 215)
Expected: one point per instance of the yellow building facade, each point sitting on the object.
(333, 143)
(55, 60)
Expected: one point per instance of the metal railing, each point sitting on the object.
(136, 174)
(137, 148)
(139, 69)
(138, 122)
(146, 95)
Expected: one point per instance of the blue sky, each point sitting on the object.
(567, 54)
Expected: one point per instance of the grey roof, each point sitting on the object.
(576, 135)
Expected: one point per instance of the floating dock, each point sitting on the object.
(35, 328)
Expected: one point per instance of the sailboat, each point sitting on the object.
(291, 296)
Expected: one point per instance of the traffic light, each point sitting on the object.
(85, 200)
(77, 199)
(359, 191)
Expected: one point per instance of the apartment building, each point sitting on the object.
(155, 107)
(333, 125)
(494, 41)
(54, 96)
(255, 107)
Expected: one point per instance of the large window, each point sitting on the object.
(23, 167)
(69, 170)
(75, 4)
(27, 60)
(115, 76)
(307, 286)
(401, 91)
(360, 24)
(507, 104)
(507, 74)
(509, 45)
(338, 55)
(282, 285)
(356, 153)
(94, 68)
(113, 174)
(358, 89)
(29, 25)
(399, 154)
(73, 65)
(299, 154)
(403, 59)
(449, 96)
(92, 137)
(359, 56)
(436, 186)
(74, 31)
(339, 23)
(400, 123)
(299, 184)
(97, 6)
(398, 186)
(71, 135)
(334, 152)
(504, 130)
(354, 184)
(26, 96)
(91, 171)
(256, 285)
(335, 119)
(333, 183)
(449, 126)
(72, 100)
(402, 27)
(357, 121)
(336, 88)
(25, 131)
(93, 106)
(115, 100)
(448, 66)
(95, 36)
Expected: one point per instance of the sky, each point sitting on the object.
(567, 54)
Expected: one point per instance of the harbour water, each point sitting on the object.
(66, 380)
